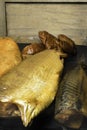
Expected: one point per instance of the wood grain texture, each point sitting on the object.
(45, 0)
(25, 20)
(2, 18)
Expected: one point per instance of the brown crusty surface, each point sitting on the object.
(10, 54)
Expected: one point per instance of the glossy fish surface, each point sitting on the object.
(68, 104)
(31, 86)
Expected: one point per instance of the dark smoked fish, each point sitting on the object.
(84, 93)
(68, 104)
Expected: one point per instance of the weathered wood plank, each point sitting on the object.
(25, 20)
(2, 18)
(45, 0)
(2, 10)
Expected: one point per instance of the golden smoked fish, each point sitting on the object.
(10, 54)
(31, 86)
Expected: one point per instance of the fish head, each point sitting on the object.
(43, 36)
(70, 118)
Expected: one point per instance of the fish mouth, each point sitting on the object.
(70, 118)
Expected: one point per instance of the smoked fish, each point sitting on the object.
(83, 96)
(31, 86)
(68, 103)
(10, 54)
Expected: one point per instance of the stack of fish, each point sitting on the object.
(31, 86)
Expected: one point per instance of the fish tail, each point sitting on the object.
(26, 110)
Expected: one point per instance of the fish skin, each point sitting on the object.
(68, 104)
(10, 55)
(50, 41)
(32, 85)
(83, 96)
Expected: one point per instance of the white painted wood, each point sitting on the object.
(25, 20)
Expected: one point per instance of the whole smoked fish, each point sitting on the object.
(31, 86)
(68, 104)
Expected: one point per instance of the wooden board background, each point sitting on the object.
(24, 21)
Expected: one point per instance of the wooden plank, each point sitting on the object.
(45, 0)
(2, 10)
(25, 20)
(2, 19)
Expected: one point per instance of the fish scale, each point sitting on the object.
(67, 102)
(32, 85)
(69, 89)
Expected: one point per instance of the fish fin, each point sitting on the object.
(63, 55)
(26, 110)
